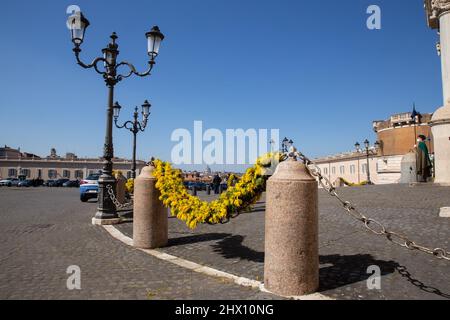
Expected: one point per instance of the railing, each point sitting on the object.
(401, 117)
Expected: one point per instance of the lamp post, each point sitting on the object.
(358, 149)
(368, 153)
(286, 144)
(110, 73)
(134, 127)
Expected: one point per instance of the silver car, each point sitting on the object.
(9, 182)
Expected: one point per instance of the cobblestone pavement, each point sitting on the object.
(346, 249)
(43, 231)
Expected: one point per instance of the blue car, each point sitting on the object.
(89, 187)
(88, 191)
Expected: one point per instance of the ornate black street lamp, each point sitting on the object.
(110, 73)
(134, 126)
(286, 144)
(368, 153)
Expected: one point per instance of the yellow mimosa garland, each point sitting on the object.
(193, 211)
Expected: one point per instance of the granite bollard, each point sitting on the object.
(291, 265)
(150, 225)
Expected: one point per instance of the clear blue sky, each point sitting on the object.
(310, 68)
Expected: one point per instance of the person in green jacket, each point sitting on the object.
(423, 162)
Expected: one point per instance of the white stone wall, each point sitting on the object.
(353, 169)
(389, 169)
(383, 170)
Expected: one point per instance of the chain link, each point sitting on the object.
(370, 224)
(116, 202)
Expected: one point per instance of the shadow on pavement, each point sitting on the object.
(197, 238)
(231, 248)
(259, 209)
(344, 270)
(405, 273)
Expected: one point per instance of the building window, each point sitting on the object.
(352, 168)
(12, 173)
(325, 170)
(52, 174)
(342, 170)
(78, 174)
(333, 170)
(91, 172)
(363, 168)
(25, 172)
(39, 173)
(66, 174)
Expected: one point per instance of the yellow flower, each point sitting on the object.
(192, 210)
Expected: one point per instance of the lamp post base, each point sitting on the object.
(106, 209)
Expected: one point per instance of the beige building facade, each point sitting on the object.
(351, 166)
(14, 163)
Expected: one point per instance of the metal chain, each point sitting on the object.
(370, 224)
(113, 198)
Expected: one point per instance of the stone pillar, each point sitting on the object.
(120, 187)
(408, 168)
(291, 265)
(150, 223)
(438, 17)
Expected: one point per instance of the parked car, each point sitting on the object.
(5, 182)
(91, 179)
(25, 183)
(58, 183)
(38, 182)
(48, 182)
(71, 184)
(198, 185)
(10, 182)
(88, 191)
(89, 187)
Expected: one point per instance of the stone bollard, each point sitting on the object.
(208, 189)
(291, 264)
(408, 168)
(194, 190)
(120, 187)
(150, 225)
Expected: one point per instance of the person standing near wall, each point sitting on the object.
(423, 162)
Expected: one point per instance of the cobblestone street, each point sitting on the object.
(43, 231)
(346, 248)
